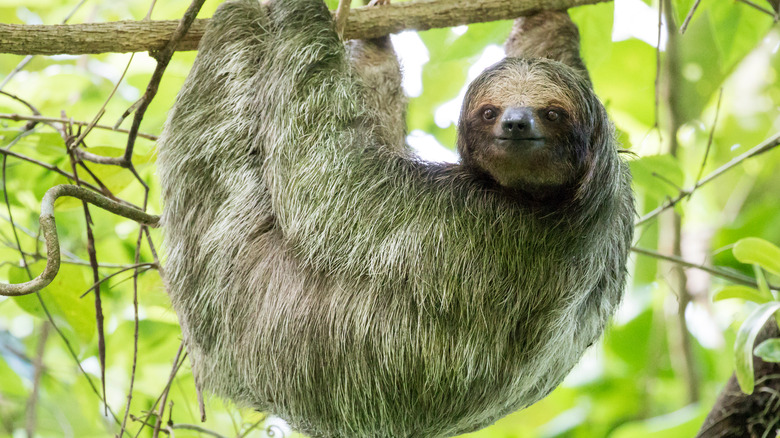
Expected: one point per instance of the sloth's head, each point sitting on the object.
(532, 126)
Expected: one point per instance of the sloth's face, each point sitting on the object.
(521, 125)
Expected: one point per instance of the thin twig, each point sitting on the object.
(135, 330)
(666, 180)
(197, 428)
(710, 138)
(141, 231)
(760, 8)
(135, 267)
(656, 94)
(765, 146)
(45, 166)
(252, 427)
(100, 159)
(38, 118)
(688, 18)
(102, 109)
(151, 411)
(74, 261)
(128, 111)
(731, 276)
(148, 16)
(163, 58)
(19, 67)
(22, 101)
(93, 262)
(164, 395)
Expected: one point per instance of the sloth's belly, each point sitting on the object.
(315, 351)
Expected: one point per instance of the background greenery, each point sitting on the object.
(632, 384)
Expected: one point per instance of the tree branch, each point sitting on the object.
(163, 58)
(364, 22)
(39, 118)
(734, 277)
(49, 228)
(768, 144)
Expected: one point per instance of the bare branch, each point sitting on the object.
(757, 7)
(688, 18)
(364, 22)
(731, 276)
(149, 266)
(765, 146)
(710, 138)
(44, 165)
(163, 58)
(197, 428)
(164, 396)
(49, 228)
(20, 117)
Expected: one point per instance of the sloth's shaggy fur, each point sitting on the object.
(323, 274)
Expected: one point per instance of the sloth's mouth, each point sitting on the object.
(520, 139)
(524, 141)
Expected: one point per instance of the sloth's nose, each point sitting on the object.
(519, 123)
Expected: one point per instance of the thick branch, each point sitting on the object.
(49, 229)
(365, 22)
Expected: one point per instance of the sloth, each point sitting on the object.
(323, 273)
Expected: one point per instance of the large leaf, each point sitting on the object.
(743, 347)
(716, 41)
(743, 292)
(62, 299)
(753, 250)
(659, 175)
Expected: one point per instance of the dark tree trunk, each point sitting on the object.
(738, 415)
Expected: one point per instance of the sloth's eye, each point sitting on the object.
(553, 115)
(489, 114)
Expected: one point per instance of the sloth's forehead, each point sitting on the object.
(524, 87)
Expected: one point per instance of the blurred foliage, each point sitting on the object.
(629, 385)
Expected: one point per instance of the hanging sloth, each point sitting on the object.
(323, 273)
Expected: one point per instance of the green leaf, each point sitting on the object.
(621, 66)
(759, 251)
(769, 350)
(743, 347)
(595, 26)
(114, 177)
(61, 297)
(729, 33)
(743, 292)
(659, 175)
